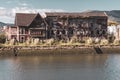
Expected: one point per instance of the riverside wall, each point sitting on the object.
(54, 51)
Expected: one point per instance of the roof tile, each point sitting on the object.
(24, 19)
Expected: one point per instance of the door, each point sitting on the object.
(22, 39)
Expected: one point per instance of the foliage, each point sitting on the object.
(12, 41)
(89, 41)
(2, 38)
(49, 41)
(74, 39)
(104, 42)
(36, 41)
(28, 41)
(112, 23)
(97, 40)
(111, 38)
(116, 42)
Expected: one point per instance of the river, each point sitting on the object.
(82, 67)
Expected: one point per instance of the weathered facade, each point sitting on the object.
(66, 25)
(60, 25)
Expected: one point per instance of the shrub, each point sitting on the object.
(104, 42)
(2, 38)
(7, 42)
(116, 42)
(89, 41)
(97, 40)
(28, 41)
(74, 39)
(111, 38)
(36, 41)
(12, 41)
(49, 42)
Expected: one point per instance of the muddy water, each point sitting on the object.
(82, 67)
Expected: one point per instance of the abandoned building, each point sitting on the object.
(58, 26)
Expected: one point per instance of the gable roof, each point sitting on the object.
(25, 19)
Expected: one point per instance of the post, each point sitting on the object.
(15, 51)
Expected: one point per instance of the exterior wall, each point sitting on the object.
(60, 28)
(37, 29)
(117, 32)
(82, 27)
(114, 30)
(11, 32)
(22, 34)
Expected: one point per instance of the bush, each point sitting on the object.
(2, 38)
(49, 42)
(28, 41)
(97, 40)
(12, 41)
(104, 42)
(111, 38)
(89, 41)
(36, 41)
(73, 39)
(116, 42)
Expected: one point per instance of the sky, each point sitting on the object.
(8, 8)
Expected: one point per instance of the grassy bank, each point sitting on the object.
(53, 47)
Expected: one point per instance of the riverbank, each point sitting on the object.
(55, 50)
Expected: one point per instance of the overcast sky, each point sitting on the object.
(8, 8)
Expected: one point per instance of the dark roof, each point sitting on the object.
(25, 19)
(83, 14)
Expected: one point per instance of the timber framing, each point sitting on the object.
(60, 26)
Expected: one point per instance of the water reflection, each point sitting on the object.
(112, 67)
(82, 67)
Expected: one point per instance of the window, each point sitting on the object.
(13, 30)
(42, 24)
(91, 24)
(104, 32)
(97, 32)
(92, 32)
(63, 31)
(37, 32)
(85, 24)
(22, 30)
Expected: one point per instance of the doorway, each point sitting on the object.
(22, 39)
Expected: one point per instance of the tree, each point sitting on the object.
(2, 38)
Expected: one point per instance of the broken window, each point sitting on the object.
(104, 32)
(98, 32)
(91, 24)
